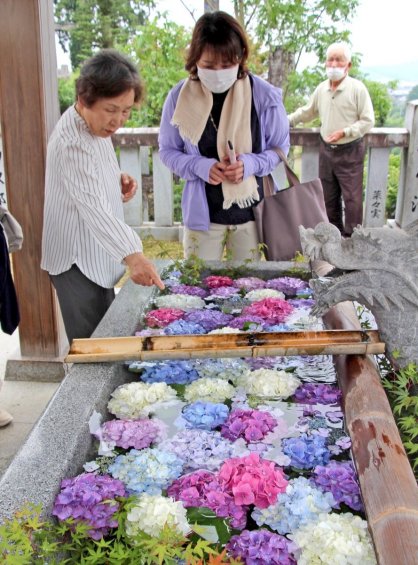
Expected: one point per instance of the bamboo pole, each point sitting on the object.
(257, 344)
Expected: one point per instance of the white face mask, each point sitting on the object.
(336, 73)
(218, 81)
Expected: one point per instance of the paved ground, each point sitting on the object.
(24, 400)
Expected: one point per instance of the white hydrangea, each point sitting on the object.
(181, 301)
(152, 512)
(262, 293)
(268, 383)
(137, 400)
(335, 539)
(209, 390)
(225, 330)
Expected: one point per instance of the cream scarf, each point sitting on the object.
(191, 115)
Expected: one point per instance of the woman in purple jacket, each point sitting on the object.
(218, 130)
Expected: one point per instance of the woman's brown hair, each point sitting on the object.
(224, 35)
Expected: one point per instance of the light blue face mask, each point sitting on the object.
(218, 81)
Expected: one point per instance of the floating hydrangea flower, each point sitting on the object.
(149, 332)
(209, 390)
(288, 285)
(151, 513)
(170, 372)
(247, 323)
(306, 451)
(261, 362)
(261, 294)
(259, 547)
(208, 319)
(300, 504)
(269, 383)
(136, 400)
(89, 498)
(222, 292)
(272, 310)
(339, 478)
(226, 330)
(181, 301)
(279, 328)
(149, 470)
(253, 480)
(335, 538)
(311, 393)
(205, 415)
(183, 327)
(302, 302)
(249, 283)
(201, 449)
(228, 369)
(202, 488)
(132, 433)
(215, 281)
(187, 289)
(251, 425)
(162, 317)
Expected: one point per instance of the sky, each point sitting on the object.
(385, 33)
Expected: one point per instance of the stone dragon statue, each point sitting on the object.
(378, 268)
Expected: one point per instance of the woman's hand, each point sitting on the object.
(128, 187)
(216, 173)
(234, 172)
(142, 271)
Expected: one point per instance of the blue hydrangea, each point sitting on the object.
(300, 504)
(148, 470)
(182, 327)
(170, 372)
(306, 451)
(205, 415)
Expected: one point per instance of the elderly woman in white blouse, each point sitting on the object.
(86, 244)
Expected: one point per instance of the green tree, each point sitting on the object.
(159, 47)
(381, 99)
(86, 25)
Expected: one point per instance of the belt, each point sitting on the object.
(340, 146)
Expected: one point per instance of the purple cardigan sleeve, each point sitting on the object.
(179, 155)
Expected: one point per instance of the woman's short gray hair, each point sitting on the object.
(343, 46)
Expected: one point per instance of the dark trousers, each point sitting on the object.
(341, 173)
(83, 303)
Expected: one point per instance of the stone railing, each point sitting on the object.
(138, 153)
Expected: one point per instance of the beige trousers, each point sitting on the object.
(233, 242)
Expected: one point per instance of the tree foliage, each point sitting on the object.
(413, 94)
(86, 25)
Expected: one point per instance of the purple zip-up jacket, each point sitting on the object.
(185, 160)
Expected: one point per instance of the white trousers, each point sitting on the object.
(232, 242)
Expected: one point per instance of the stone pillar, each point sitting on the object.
(407, 202)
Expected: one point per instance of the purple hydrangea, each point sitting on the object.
(247, 323)
(209, 319)
(170, 372)
(184, 327)
(259, 547)
(132, 433)
(222, 292)
(339, 478)
(288, 285)
(90, 498)
(190, 290)
(261, 362)
(251, 425)
(306, 451)
(312, 393)
(302, 302)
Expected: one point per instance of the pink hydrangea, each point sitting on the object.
(253, 480)
(250, 283)
(251, 425)
(273, 310)
(215, 281)
(161, 317)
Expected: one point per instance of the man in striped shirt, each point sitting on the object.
(86, 244)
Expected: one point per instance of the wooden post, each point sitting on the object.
(29, 110)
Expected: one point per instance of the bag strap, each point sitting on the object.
(290, 174)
